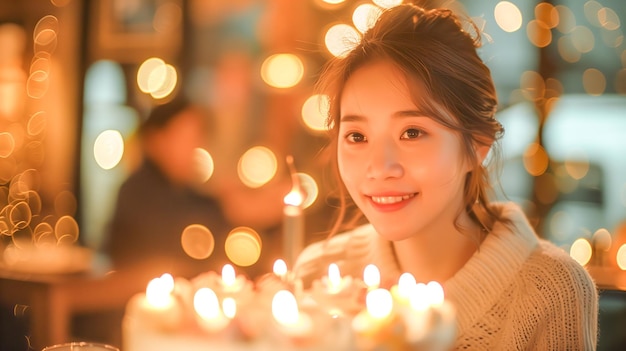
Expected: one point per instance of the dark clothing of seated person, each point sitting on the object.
(158, 201)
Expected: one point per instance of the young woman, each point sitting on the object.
(412, 121)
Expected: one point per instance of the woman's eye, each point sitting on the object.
(412, 133)
(355, 137)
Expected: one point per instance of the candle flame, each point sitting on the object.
(228, 275)
(280, 268)
(334, 277)
(419, 297)
(158, 291)
(295, 197)
(406, 282)
(435, 293)
(379, 303)
(206, 304)
(285, 308)
(229, 306)
(371, 276)
(168, 282)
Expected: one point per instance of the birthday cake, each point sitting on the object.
(230, 312)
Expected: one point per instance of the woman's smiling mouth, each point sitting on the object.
(389, 200)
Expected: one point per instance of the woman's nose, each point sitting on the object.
(384, 162)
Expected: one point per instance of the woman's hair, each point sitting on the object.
(439, 59)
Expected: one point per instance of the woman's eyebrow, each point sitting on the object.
(352, 118)
(396, 115)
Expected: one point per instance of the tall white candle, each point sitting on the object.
(293, 219)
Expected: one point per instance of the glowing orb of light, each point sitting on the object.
(243, 246)
(341, 38)
(257, 166)
(282, 70)
(315, 111)
(108, 148)
(508, 16)
(581, 251)
(197, 241)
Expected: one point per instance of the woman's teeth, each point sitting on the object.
(391, 199)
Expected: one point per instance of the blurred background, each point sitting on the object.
(78, 77)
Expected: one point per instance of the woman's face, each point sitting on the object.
(404, 170)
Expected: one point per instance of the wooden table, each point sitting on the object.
(52, 299)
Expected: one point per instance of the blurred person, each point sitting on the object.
(161, 197)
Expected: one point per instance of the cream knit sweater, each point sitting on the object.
(517, 292)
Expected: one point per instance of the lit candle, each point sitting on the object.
(234, 285)
(375, 326)
(431, 321)
(338, 295)
(207, 307)
(157, 306)
(371, 277)
(293, 221)
(297, 326)
(334, 282)
(280, 269)
(379, 305)
(229, 307)
(401, 292)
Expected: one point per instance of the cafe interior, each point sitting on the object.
(77, 79)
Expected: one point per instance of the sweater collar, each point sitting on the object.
(482, 280)
(493, 267)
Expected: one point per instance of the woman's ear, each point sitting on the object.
(481, 153)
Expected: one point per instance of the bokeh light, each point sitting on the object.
(204, 164)
(282, 70)
(66, 230)
(144, 72)
(7, 144)
(567, 19)
(20, 215)
(37, 123)
(163, 81)
(621, 257)
(45, 34)
(157, 78)
(243, 246)
(197, 241)
(43, 235)
(546, 13)
(594, 81)
(535, 159)
(315, 111)
(608, 19)
(108, 148)
(567, 50)
(257, 166)
(508, 16)
(341, 38)
(539, 33)
(602, 239)
(582, 39)
(310, 188)
(364, 16)
(581, 251)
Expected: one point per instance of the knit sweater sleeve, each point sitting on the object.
(559, 306)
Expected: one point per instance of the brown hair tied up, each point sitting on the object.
(440, 58)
